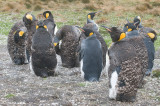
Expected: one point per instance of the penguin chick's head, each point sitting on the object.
(41, 24)
(47, 14)
(87, 32)
(19, 34)
(137, 20)
(28, 18)
(115, 33)
(129, 27)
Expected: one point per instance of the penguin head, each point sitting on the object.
(129, 27)
(28, 18)
(41, 24)
(152, 34)
(47, 14)
(87, 32)
(18, 35)
(115, 33)
(137, 20)
(91, 15)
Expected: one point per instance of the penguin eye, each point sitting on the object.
(37, 26)
(45, 26)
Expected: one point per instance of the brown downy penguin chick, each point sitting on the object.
(69, 36)
(127, 68)
(43, 56)
(16, 43)
(49, 21)
(30, 23)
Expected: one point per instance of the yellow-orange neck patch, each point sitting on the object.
(122, 36)
(90, 34)
(29, 16)
(129, 30)
(47, 15)
(55, 44)
(89, 16)
(21, 33)
(37, 26)
(45, 26)
(151, 35)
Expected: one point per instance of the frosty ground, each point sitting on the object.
(18, 85)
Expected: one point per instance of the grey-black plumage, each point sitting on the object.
(91, 56)
(43, 56)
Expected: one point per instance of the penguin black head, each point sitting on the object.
(28, 18)
(41, 24)
(137, 20)
(129, 27)
(87, 32)
(18, 35)
(91, 15)
(152, 34)
(47, 14)
(115, 33)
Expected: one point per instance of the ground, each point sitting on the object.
(21, 86)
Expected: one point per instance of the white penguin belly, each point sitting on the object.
(55, 30)
(107, 63)
(81, 68)
(113, 82)
(30, 65)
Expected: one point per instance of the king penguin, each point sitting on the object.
(90, 22)
(90, 55)
(149, 36)
(16, 43)
(49, 21)
(137, 21)
(43, 56)
(126, 68)
(69, 37)
(93, 26)
(30, 23)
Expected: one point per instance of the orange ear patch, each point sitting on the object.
(122, 36)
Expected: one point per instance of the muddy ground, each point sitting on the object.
(18, 85)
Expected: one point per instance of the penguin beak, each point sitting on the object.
(98, 12)
(106, 28)
(80, 28)
(127, 21)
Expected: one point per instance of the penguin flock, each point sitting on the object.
(37, 42)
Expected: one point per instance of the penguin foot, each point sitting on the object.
(93, 79)
(19, 61)
(148, 72)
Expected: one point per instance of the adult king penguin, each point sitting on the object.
(90, 55)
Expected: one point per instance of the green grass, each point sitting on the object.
(9, 96)
(82, 84)
(78, 17)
